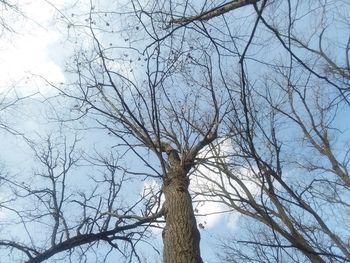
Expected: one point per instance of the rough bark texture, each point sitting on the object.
(181, 236)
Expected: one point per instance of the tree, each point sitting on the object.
(173, 108)
(185, 48)
(144, 107)
(288, 167)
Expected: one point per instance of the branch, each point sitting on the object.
(214, 12)
(90, 238)
(23, 248)
(211, 135)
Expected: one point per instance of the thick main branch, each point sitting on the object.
(214, 12)
(90, 238)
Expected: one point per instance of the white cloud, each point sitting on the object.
(208, 208)
(26, 53)
(215, 187)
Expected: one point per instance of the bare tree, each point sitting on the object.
(156, 97)
(171, 89)
(288, 163)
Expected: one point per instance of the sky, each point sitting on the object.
(39, 47)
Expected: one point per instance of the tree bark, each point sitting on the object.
(181, 237)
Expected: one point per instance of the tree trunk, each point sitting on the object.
(181, 236)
